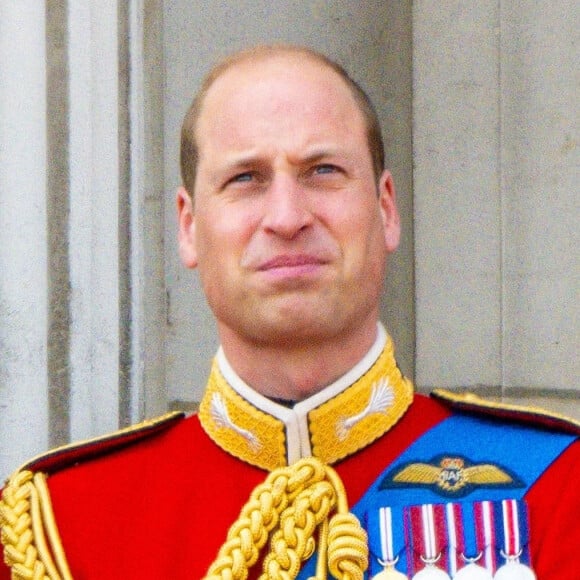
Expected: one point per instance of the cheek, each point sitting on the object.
(363, 245)
(221, 237)
(356, 224)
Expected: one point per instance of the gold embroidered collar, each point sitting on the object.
(344, 417)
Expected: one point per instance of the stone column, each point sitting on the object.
(81, 271)
(24, 317)
(95, 225)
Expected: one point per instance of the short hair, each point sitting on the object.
(189, 153)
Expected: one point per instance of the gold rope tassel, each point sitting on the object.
(29, 534)
(290, 506)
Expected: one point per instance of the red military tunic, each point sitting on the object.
(160, 506)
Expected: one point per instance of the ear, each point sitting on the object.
(389, 212)
(186, 229)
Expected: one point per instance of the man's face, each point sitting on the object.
(289, 229)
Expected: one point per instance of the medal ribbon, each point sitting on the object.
(386, 530)
(386, 527)
(471, 536)
(485, 534)
(511, 528)
(427, 524)
(455, 534)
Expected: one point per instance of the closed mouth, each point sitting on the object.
(291, 261)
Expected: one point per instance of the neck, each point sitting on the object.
(299, 370)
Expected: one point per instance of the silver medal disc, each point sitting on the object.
(390, 573)
(431, 573)
(514, 571)
(473, 572)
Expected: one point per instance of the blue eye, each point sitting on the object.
(325, 168)
(242, 178)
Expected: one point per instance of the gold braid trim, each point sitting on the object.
(291, 505)
(288, 508)
(32, 545)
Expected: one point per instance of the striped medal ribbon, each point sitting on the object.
(389, 558)
(470, 542)
(428, 530)
(511, 530)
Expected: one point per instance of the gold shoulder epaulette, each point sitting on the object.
(521, 413)
(28, 530)
(66, 455)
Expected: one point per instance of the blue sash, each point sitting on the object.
(464, 459)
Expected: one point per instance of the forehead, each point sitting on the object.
(277, 96)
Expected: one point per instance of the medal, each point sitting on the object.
(513, 570)
(390, 573)
(431, 572)
(473, 572)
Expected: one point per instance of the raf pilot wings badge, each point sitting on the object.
(450, 476)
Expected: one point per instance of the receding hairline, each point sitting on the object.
(262, 53)
(256, 55)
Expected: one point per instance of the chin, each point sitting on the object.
(299, 331)
(279, 331)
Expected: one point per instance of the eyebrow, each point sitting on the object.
(318, 153)
(245, 160)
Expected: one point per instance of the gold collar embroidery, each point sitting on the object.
(336, 422)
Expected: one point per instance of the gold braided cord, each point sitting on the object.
(289, 508)
(50, 526)
(28, 530)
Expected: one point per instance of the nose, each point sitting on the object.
(287, 212)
